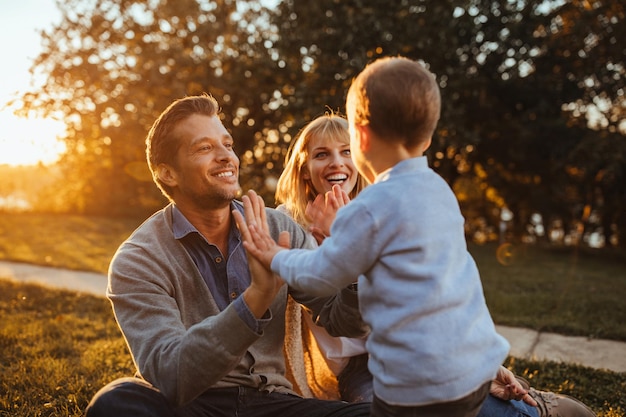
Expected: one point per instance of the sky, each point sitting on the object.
(24, 141)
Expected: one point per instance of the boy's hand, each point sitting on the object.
(255, 231)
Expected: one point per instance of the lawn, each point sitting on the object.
(59, 347)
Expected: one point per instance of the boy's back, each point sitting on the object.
(432, 338)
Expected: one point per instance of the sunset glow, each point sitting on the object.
(25, 141)
(29, 141)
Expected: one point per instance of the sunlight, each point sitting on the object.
(29, 141)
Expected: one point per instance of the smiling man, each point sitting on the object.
(204, 325)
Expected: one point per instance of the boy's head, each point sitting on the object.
(398, 99)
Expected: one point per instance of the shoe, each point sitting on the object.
(550, 404)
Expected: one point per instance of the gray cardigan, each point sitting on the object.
(179, 340)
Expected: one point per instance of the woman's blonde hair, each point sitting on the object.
(292, 189)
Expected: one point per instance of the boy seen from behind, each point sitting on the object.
(433, 345)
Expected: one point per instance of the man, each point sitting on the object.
(205, 326)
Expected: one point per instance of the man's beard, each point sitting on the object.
(217, 198)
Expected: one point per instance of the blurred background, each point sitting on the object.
(532, 136)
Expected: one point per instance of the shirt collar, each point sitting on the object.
(407, 165)
(182, 227)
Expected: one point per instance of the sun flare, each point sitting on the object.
(29, 141)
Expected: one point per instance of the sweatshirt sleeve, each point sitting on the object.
(168, 353)
(348, 253)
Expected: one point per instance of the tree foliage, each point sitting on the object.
(533, 118)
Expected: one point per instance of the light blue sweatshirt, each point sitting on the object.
(432, 338)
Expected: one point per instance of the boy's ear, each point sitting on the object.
(167, 175)
(364, 135)
(427, 144)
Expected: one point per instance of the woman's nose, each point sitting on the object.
(336, 159)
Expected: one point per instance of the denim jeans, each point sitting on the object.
(494, 407)
(355, 380)
(128, 397)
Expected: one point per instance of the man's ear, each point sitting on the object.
(167, 175)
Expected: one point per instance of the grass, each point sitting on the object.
(556, 290)
(58, 347)
(74, 242)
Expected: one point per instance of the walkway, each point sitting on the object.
(525, 343)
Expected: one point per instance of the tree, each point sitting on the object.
(533, 110)
(114, 65)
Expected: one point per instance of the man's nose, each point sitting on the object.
(225, 153)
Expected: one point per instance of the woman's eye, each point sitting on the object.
(320, 155)
(347, 152)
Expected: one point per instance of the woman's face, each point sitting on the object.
(329, 163)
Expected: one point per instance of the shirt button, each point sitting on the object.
(233, 295)
(218, 259)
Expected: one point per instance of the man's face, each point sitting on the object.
(207, 172)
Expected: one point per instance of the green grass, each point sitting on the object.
(67, 241)
(551, 289)
(58, 347)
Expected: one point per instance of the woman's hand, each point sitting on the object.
(321, 212)
(506, 387)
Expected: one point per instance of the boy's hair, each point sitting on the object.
(161, 145)
(398, 98)
(292, 189)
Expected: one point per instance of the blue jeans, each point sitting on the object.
(355, 380)
(128, 397)
(494, 407)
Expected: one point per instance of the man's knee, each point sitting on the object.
(129, 397)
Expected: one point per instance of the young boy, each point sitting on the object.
(433, 345)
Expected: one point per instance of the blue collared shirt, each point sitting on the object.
(226, 276)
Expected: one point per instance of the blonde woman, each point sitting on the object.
(318, 159)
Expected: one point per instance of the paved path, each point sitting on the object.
(525, 343)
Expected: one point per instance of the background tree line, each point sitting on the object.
(533, 117)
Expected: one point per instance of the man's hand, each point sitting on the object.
(263, 288)
(506, 387)
(322, 211)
